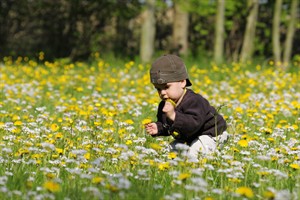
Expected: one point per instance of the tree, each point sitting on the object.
(290, 33)
(276, 32)
(180, 29)
(219, 32)
(148, 32)
(76, 28)
(248, 42)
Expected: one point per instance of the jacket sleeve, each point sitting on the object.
(162, 127)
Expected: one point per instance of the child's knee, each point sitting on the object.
(203, 145)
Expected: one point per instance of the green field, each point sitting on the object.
(75, 131)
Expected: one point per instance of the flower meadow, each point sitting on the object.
(75, 131)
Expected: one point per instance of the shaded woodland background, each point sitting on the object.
(223, 30)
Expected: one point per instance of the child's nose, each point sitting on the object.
(163, 92)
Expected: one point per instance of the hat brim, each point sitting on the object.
(188, 83)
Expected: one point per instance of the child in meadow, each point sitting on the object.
(183, 114)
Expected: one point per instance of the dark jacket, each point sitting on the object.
(194, 117)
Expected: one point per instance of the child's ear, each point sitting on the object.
(183, 83)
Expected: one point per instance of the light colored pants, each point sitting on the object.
(204, 144)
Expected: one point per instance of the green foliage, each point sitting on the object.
(77, 29)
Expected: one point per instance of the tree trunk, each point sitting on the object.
(148, 32)
(276, 32)
(248, 43)
(219, 32)
(290, 33)
(180, 30)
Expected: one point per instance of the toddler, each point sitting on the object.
(182, 113)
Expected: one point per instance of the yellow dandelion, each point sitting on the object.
(97, 180)
(54, 156)
(295, 126)
(15, 117)
(163, 166)
(83, 113)
(51, 186)
(36, 156)
(59, 151)
(18, 108)
(203, 161)
(1, 125)
(245, 136)
(146, 121)
(72, 155)
(296, 104)
(184, 176)
(79, 89)
(151, 162)
(235, 180)
(172, 155)
(112, 188)
(69, 120)
(97, 123)
(121, 131)
(129, 121)
(175, 134)
(295, 166)
(263, 173)
(171, 101)
(128, 142)
(274, 158)
(268, 131)
(50, 175)
(87, 156)
(239, 110)
(83, 166)
(155, 146)
(16, 130)
(283, 121)
(23, 151)
(54, 127)
(243, 143)
(59, 135)
(133, 160)
(268, 195)
(109, 122)
(245, 191)
(18, 123)
(38, 162)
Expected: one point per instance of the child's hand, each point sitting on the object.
(169, 109)
(151, 128)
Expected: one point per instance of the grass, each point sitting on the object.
(74, 131)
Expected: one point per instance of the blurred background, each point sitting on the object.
(220, 30)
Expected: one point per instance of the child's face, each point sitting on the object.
(173, 90)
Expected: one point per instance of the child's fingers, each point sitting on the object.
(148, 125)
(168, 107)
